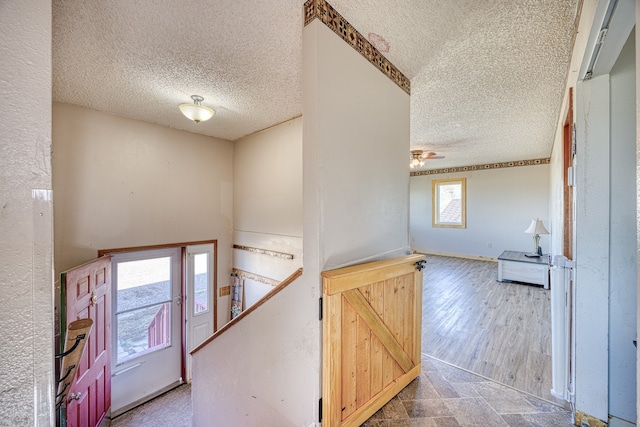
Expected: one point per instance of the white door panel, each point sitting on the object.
(200, 293)
(147, 338)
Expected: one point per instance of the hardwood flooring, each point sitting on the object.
(501, 331)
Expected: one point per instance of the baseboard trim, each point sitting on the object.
(619, 422)
(464, 256)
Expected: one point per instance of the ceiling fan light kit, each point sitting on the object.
(419, 156)
(416, 159)
(196, 111)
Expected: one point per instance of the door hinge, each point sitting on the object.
(320, 410)
(320, 307)
(602, 35)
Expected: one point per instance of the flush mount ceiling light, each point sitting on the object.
(197, 112)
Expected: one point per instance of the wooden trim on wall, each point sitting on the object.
(260, 251)
(567, 202)
(256, 277)
(463, 256)
(103, 252)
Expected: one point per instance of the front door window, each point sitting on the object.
(146, 327)
(144, 297)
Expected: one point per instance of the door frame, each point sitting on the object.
(183, 246)
(167, 360)
(201, 321)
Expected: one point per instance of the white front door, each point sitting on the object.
(147, 339)
(199, 302)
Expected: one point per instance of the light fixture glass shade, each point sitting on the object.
(416, 163)
(416, 159)
(536, 227)
(196, 112)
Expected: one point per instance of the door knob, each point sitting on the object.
(74, 396)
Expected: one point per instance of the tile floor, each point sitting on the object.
(442, 396)
(445, 396)
(172, 409)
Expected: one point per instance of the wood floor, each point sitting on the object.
(501, 331)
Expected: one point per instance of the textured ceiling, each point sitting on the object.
(486, 76)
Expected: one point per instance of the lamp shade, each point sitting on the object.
(536, 227)
(196, 112)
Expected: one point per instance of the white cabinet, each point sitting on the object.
(516, 267)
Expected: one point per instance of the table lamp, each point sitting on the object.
(536, 228)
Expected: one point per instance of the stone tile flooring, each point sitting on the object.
(442, 396)
(445, 396)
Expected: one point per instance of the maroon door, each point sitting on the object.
(88, 294)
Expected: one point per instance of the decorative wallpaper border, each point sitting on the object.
(484, 167)
(331, 18)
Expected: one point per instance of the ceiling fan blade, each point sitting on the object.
(431, 155)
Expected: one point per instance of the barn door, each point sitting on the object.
(372, 325)
(88, 295)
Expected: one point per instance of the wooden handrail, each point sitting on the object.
(249, 310)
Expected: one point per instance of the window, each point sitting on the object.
(449, 203)
(146, 283)
(201, 280)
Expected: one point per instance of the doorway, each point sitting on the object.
(199, 308)
(164, 305)
(157, 302)
(146, 325)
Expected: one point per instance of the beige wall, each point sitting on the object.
(356, 140)
(267, 197)
(500, 205)
(353, 210)
(267, 184)
(123, 183)
(26, 224)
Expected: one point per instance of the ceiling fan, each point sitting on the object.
(419, 156)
